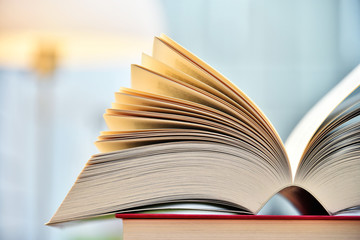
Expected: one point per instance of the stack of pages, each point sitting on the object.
(184, 133)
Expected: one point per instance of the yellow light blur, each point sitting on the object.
(72, 49)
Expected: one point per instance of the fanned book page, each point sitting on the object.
(183, 133)
(301, 135)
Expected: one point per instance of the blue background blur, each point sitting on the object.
(284, 54)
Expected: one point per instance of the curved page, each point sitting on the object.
(303, 132)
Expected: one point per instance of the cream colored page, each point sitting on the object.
(129, 123)
(248, 103)
(306, 128)
(132, 96)
(167, 50)
(145, 80)
(159, 67)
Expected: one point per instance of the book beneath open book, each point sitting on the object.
(185, 226)
(184, 133)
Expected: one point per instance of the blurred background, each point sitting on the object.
(61, 62)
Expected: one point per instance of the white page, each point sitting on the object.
(306, 128)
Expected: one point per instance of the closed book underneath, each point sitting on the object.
(185, 226)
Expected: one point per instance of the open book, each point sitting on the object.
(184, 133)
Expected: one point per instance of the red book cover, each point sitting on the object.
(239, 217)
